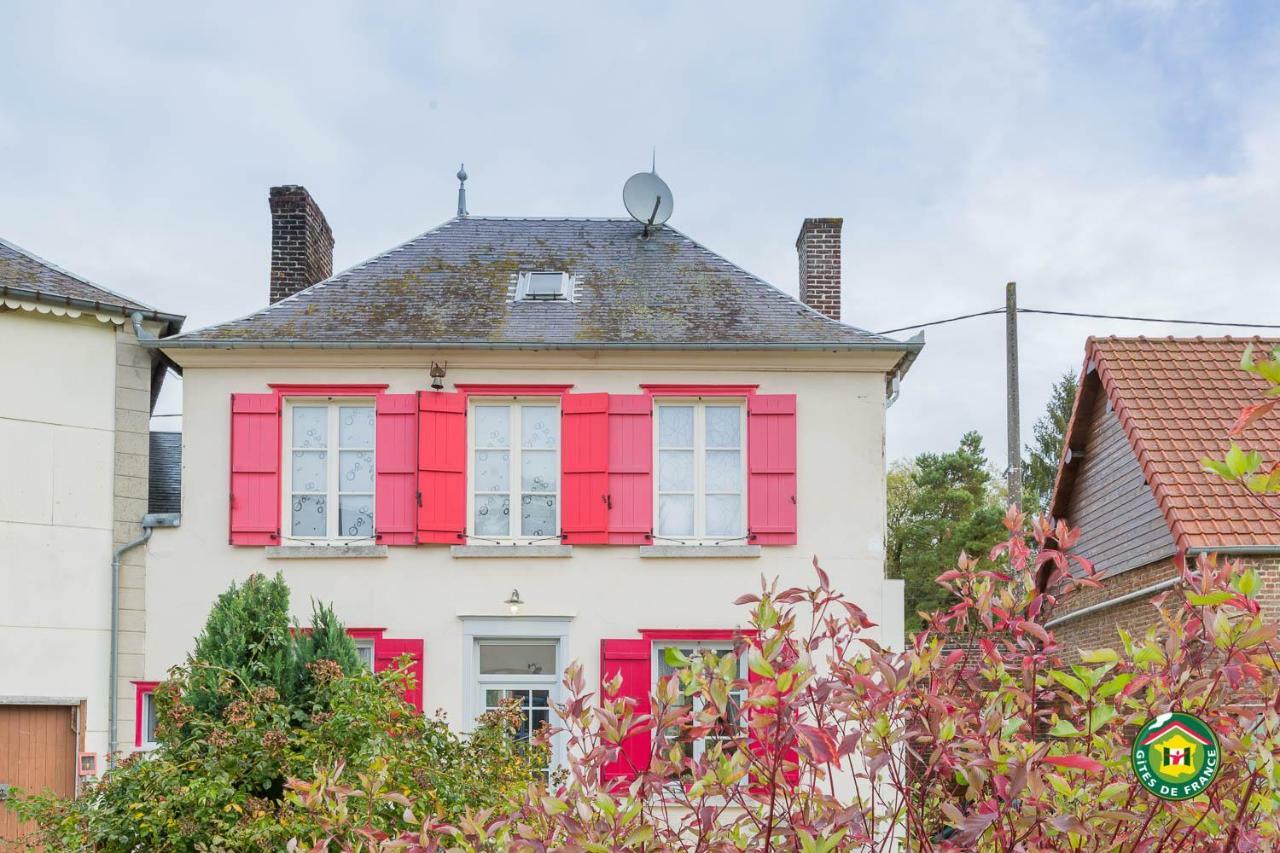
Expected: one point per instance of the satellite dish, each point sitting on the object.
(648, 199)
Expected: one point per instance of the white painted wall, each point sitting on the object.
(57, 430)
(609, 591)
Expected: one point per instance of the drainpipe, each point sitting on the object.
(113, 691)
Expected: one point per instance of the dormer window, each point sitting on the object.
(542, 285)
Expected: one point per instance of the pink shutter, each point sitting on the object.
(630, 469)
(584, 467)
(771, 465)
(255, 469)
(442, 466)
(396, 505)
(632, 660)
(385, 654)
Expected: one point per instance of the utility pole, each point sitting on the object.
(1011, 362)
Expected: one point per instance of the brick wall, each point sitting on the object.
(301, 242)
(1099, 629)
(819, 249)
(130, 486)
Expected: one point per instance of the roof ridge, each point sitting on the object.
(55, 268)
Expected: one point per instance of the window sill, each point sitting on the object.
(523, 552)
(324, 552)
(661, 552)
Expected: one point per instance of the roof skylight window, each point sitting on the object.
(542, 285)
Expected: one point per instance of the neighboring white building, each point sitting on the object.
(74, 412)
(629, 431)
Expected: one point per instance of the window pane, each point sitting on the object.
(546, 283)
(675, 426)
(492, 515)
(538, 515)
(364, 650)
(310, 470)
(518, 659)
(724, 470)
(355, 515)
(493, 698)
(355, 471)
(355, 426)
(538, 471)
(308, 515)
(724, 515)
(675, 515)
(310, 426)
(493, 470)
(493, 426)
(540, 426)
(149, 718)
(724, 424)
(675, 470)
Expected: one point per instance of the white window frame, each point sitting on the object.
(477, 630)
(514, 477)
(148, 703)
(525, 281)
(699, 448)
(720, 647)
(333, 451)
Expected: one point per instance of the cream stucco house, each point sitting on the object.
(510, 443)
(78, 390)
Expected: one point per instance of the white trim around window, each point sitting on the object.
(513, 463)
(328, 479)
(479, 631)
(700, 465)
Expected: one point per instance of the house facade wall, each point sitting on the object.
(599, 592)
(72, 400)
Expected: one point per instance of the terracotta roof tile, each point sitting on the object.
(1176, 398)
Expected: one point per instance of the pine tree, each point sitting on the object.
(1048, 435)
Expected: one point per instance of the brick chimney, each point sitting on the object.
(301, 242)
(819, 249)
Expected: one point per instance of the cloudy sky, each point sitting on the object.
(1113, 157)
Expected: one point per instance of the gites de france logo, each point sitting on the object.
(1175, 756)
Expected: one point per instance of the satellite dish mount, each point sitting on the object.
(648, 199)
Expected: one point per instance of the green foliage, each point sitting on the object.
(1048, 435)
(941, 506)
(247, 637)
(231, 739)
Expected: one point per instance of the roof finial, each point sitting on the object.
(653, 164)
(462, 189)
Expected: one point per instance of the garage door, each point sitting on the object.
(37, 752)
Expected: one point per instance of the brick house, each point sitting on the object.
(78, 394)
(1147, 411)
(627, 431)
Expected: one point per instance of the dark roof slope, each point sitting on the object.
(26, 275)
(1176, 398)
(165, 471)
(454, 286)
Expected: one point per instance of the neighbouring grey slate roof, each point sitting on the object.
(454, 286)
(29, 276)
(165, 472)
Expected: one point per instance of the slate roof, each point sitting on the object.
(1176, 398)
(454, 286)
(165, 473)
(25, 275)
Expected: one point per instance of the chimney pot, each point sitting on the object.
(819, 249)
(301, 242)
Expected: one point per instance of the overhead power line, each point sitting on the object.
(1087, 315)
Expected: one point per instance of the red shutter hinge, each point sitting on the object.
(419, 498)
(608, 501)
